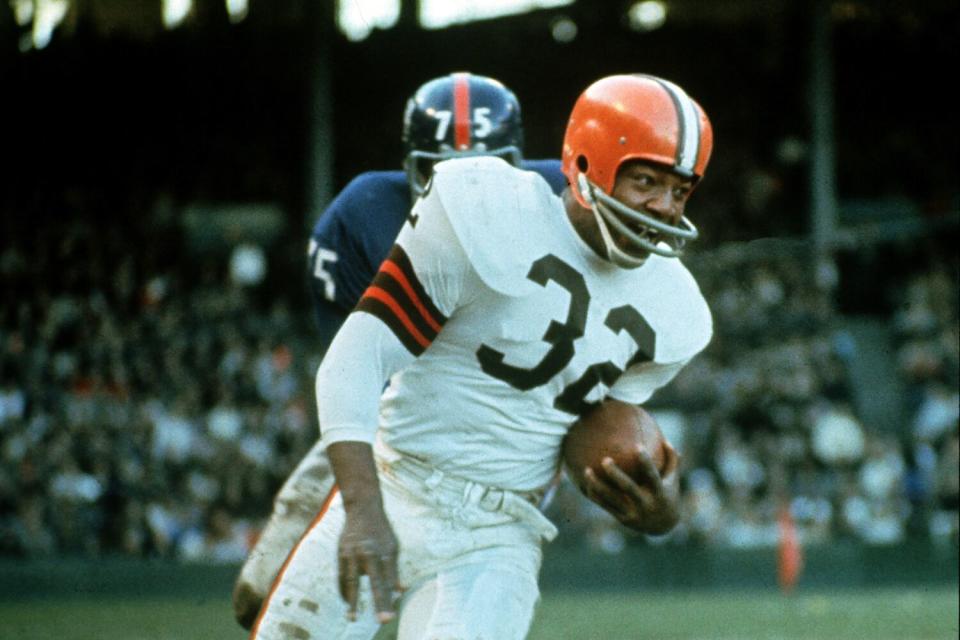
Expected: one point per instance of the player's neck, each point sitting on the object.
(585, 224)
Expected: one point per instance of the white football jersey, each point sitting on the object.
(497, 326)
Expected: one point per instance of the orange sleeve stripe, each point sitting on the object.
(286, 563)
(396, 273)
(377, 293)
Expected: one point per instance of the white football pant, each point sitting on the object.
(469, 558)
(294, 507)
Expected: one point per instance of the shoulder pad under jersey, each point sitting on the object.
(669, 292)
(549, 170)
(503, 217)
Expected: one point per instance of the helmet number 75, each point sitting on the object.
(481, 122)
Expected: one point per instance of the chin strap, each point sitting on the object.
(615, 254)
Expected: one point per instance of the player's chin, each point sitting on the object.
(631, 249)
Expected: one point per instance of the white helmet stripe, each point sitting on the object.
(688, 147)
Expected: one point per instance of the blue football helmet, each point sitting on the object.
(459, 115)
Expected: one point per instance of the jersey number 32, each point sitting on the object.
(562, 337)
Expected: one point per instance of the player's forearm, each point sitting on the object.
(356, 474)
(367, 544)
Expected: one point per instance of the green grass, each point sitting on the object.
(875, 615)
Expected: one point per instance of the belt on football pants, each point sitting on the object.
(520, 505)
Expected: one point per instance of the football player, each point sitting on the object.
(500, 314)
(457, 115)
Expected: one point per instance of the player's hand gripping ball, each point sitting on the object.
(612, 428)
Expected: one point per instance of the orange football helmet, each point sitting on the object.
(634, 117)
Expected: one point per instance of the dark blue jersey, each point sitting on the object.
(353, 235)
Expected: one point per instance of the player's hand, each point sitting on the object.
(649, 503)
(368, 547)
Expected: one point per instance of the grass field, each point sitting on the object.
(874, 615)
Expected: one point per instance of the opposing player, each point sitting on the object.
(501, 313)
(452, 116)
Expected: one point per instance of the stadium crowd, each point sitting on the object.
(151, 402)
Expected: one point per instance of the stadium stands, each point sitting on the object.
(150, 405)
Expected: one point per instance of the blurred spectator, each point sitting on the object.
(248, 265)
(217, 539)
(703, 507)
(939, 412)
(944, 520)
(13, 402)
(748, 524)
(738, 464)
(28, 532)
(836, 435)
(882, 472)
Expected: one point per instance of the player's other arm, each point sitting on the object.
(396, 319)
(650, 501)
(363, 355)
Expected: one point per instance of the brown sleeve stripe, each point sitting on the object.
(381, 304)
(390, 268)
(399, 300)
(418, 294)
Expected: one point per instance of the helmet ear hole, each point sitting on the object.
(582, 163)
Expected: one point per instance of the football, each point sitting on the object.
(612, 428)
